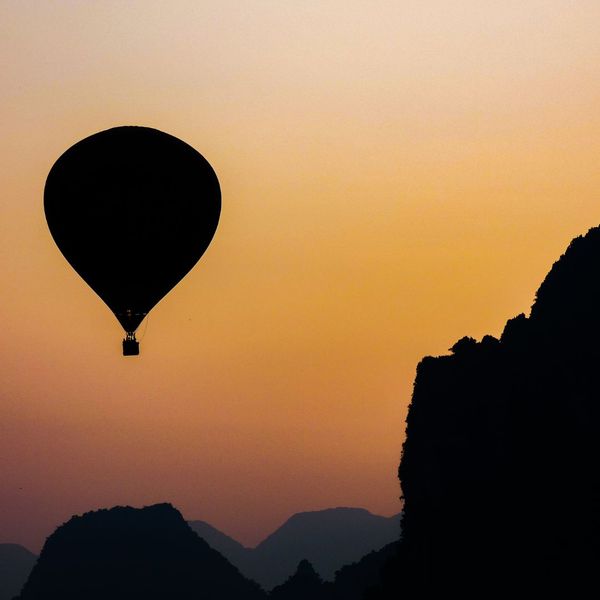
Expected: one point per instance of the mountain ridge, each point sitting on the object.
(125, 552)
(269, 547)
(329, 539)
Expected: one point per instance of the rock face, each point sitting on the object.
(329, 539)
(501, 466)
(16, 563)
(126, 553)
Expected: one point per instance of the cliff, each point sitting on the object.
(500, 465)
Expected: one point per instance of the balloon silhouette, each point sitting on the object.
(132, 209)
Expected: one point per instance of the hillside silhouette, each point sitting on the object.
(125, 553)
(359, 580)
(329, 535)
(328, 539)
(304, 583)
(500, 467)
(16, 563)
(355, 581)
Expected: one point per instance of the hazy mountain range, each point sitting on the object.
(124, 553)
(16, 563)
(329, 539)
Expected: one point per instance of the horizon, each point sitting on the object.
(190, 520)
(393, 178)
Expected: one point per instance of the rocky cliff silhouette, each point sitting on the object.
(126, 553)
(500, 467)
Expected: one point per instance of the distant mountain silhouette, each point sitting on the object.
(329, 539)
(231, 549)
(304, 584)
(16, 563)
(128, 553)
(356, 581)
(500, 467)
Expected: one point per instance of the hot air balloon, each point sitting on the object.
(132, 209)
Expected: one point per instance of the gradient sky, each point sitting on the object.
(395, 175)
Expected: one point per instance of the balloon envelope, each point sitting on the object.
(132, 209)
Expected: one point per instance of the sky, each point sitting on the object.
(395, 175)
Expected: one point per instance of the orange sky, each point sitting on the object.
(395, 175)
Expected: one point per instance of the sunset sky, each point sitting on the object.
(395, 175)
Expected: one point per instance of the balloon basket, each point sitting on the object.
(131, 347)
